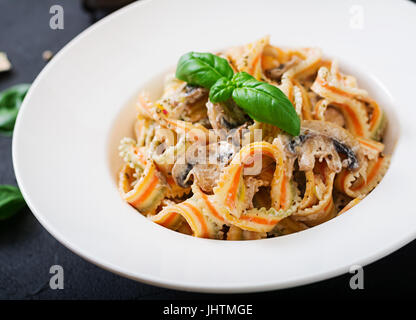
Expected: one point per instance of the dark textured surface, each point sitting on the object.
(27, 250)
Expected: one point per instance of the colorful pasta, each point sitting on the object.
(207, 168)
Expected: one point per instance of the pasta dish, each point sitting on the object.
(253, 142)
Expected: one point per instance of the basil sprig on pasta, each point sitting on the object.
(202, 69)
(262, 101)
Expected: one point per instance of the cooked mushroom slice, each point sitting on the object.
(181, 173)
(195, 109)
(226, 115)
(206, 176)
(203, 165)
(186, 102)
(194, 93)
(182, 169)
(324, 140)
(351, 158)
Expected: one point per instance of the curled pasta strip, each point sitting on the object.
(159, 113)
(194, 132)
(144, 130)
(144, 190)
(310, 196)
(230, 193)
(355, 184)
(231, 190)
(302, 102)
(307, 66)
(209, 206)
(249, 58)
(174, 137)
(347, 96)
(371, 148)
(317, 205)
(336, 116)
(169, 217)
(202, 215)
(285, 56)
(271, 57)
(329, 87)
(378, 120)
(320, 108)
(146, 108)
(290, 64)
(164, 151)
(200, 223)
(132, 155)
(171, 141)
(255, 220)
(351, 204)
(287, 88)
(268, 132)
(172, 85)
(309, 62)
(182, 101)
(155, 111)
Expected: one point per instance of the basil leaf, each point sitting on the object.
(265, 103)
(221, 90)
(240, 79)
(203, 69)
(11, 201)
(10, 102)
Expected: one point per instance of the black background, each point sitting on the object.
(27, 250)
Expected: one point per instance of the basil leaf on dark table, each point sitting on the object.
(11, 201)
(221, 90)
(203, 69)
(10, 102)
(265, 103)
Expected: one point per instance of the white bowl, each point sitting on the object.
(65, 155)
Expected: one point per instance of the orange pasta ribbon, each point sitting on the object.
(351, 204)
(356, 184)
(317, 205)
(144, 192)
(200, 223)
(230, 193)
(329, 87)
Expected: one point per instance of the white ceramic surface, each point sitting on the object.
(65, 156)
